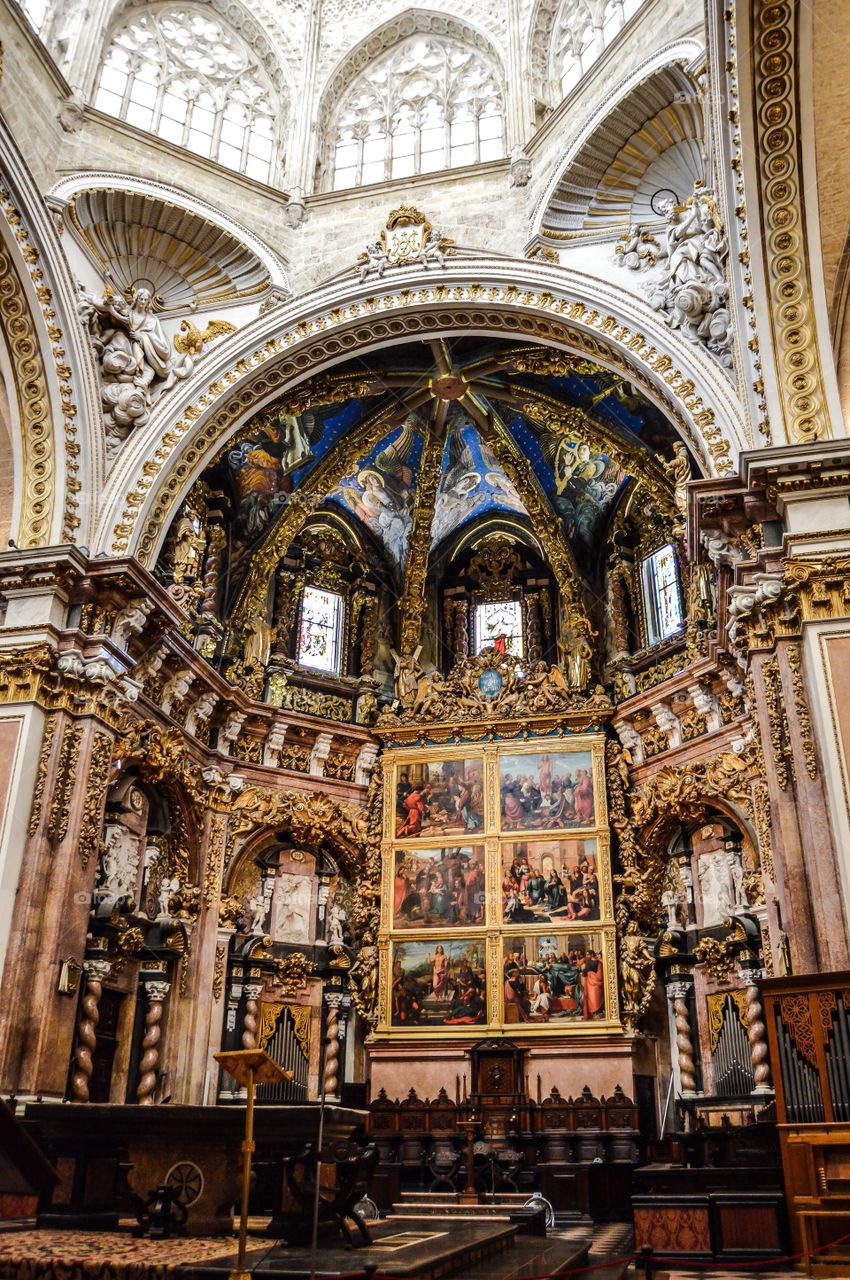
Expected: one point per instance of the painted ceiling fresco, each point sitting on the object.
(270, 458)
(382, 488)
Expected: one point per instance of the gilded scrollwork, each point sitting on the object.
(493, 687)
(88, 839)
(41, 774)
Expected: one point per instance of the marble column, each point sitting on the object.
(251, 1019)
(155, 992)
(756, 1030)
(678, 993)
(95, 973)
(335, 1005)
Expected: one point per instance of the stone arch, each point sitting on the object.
(541, 32)
(545, 304)
(48, 370)
(314, 820)
(409, 23)
(658, 85)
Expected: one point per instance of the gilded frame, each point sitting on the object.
(489, 935)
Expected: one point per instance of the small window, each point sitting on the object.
(662, 594)
(498, 625)
(320, 632)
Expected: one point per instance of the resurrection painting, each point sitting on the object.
(545, 880)
(439, 797)
(546, 791)
(438, 983)
(438, 887)
(554, 977)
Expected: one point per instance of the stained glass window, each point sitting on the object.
(498, 625)
(320, 631)
(662, 594)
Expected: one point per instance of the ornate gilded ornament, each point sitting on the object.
(493, 687)
(779, 139)
(65, 785)
(716, 957)
(292, 972)
(407, 238)
(88, 841)
(41, 774)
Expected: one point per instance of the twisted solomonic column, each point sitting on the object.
(95, 973)
(155, 993)
(678, 994)
(251, 1021)
(334, 1001)
(756, 1032)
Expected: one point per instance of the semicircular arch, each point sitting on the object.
(549, 306)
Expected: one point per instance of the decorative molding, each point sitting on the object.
(777, 126)
(35, 415)
(538, 309)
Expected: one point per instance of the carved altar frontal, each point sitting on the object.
(496, 894)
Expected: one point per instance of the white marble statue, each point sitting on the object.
(119, 862)
(293, 901)
(691, 290)
(258, 906)
(135, 357)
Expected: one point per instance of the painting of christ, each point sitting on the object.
(438, 983)
(546, 791)
(556, 977)
(434, 887)
(440, 797)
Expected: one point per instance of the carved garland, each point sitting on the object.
(92, 817)
(41, 774)
(550, 324)
(57, 821)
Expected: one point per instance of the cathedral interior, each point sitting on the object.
(424, 638)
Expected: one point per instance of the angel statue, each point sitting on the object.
(678, 468)
(407, 673)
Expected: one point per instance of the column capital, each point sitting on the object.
(156, 991)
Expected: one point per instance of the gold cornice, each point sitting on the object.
(776, 119)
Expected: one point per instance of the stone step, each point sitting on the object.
(412, 1249)
(450, 1197)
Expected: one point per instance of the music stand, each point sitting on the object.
(249, 1067)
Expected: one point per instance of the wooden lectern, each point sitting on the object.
(249, 1067)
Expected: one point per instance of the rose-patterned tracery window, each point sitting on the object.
(180, 73)
(428, 104)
